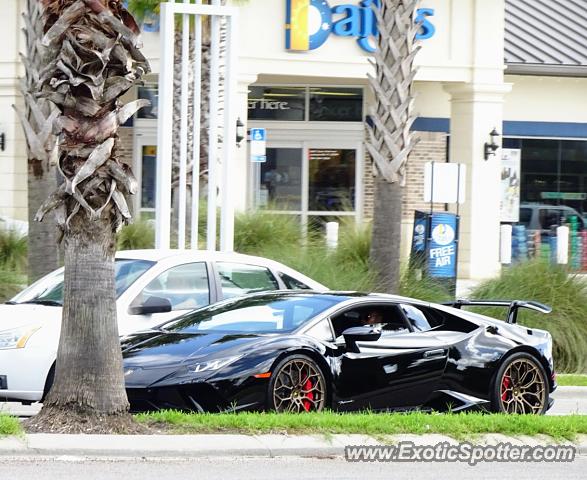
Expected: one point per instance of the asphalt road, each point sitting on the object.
(282, 468)
(567, 400)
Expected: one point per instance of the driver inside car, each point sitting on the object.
(373, 318)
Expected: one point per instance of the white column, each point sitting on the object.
(164, 140)
(13, 162)
(242, 154)
(476, 109)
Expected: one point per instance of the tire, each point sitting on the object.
(297, 385)
(520, 386)
(48, 382)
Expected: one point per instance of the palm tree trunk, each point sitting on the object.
(43, 250)
(43, 253)
(94, 58)
(390, 138)
(89, 379)
(386, 236)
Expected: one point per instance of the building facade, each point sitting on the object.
(517, 67)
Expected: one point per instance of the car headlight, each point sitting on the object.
(212, 365)
(17, 337)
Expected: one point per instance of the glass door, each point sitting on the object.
(145, 169)
(278, 181)
(332, 181)
(317, 182)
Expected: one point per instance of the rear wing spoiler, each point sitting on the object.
(512, 305)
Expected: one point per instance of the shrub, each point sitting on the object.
(137, 236)
(553, 285)
(10, 284)
(255, 231)
(423, 288)
(13, 250)
(354, 243)
(345, 268)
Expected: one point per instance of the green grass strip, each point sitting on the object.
(9, 425)
(568, 380)
(460, 425)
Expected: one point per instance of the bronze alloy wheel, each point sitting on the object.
(298, 386)
(523, 388)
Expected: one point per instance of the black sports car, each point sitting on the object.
(305, 351)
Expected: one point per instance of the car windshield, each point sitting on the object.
(49, 290)
(269, 313)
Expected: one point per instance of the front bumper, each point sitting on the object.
(24, 372)
(205, 396)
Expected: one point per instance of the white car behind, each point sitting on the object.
(153, 286)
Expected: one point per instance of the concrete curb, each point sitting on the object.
(564, 392)
(194, 446)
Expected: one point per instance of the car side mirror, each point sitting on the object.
(360, 334)
(152, 305)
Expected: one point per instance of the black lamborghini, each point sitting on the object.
(307, 351)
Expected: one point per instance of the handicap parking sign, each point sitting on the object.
(258, 134)
(258, 145)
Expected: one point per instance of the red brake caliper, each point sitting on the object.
(505, 384)
(308, 386)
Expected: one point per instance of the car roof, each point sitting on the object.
(346, 295)
(176, 255)
(547, 205)
(156, 255)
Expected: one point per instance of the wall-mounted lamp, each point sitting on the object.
(490, 148)
(240, 132)
(2, 142)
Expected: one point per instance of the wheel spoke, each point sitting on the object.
(299, 387)
(522, 388)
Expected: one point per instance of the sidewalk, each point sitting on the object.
(190, 446)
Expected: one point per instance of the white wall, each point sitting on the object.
(13, 163)
(455, 53)
(546, 99)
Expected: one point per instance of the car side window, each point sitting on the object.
(387, 317)
(549, 217)
(525, 216)
(185, 286)
(321, 331)
(240, 279)
(292, 283)
(416, 317)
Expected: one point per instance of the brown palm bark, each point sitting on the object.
(43, 253)
(93, 59)
(390, 139)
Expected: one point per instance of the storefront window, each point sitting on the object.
(151, 93)
(149, 165)
(329, 104)
(326, 104)
(281, 179)
(277, 103)
(332, 179)
(554, 172)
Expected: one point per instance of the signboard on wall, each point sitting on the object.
(309, 23)
(444, 182)
(510, 184)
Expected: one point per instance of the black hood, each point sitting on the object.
(158, 349)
